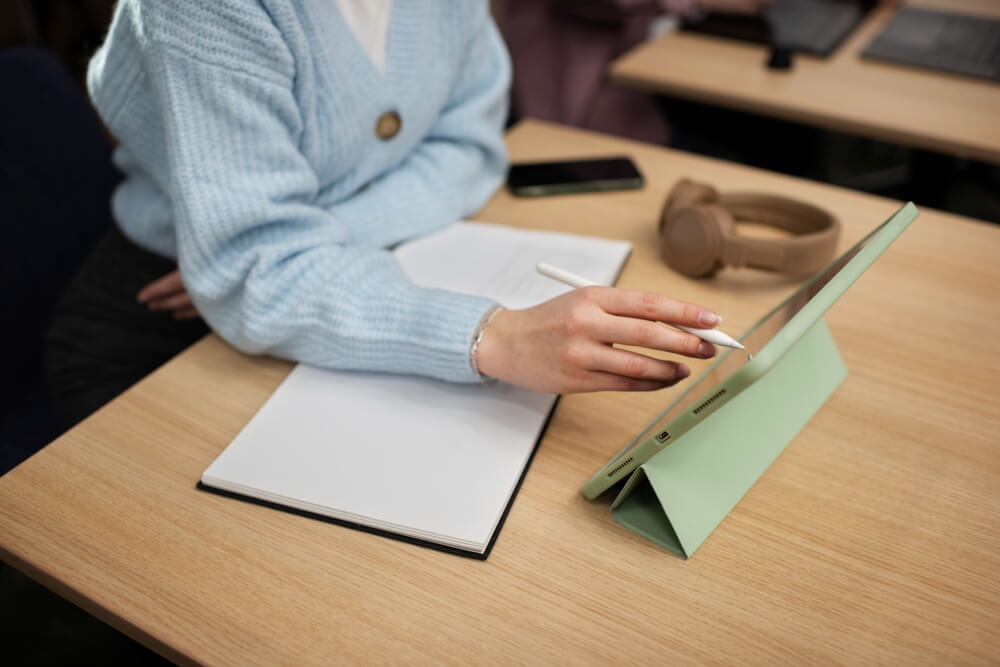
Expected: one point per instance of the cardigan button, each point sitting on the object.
(388, 125)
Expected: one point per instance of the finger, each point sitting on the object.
(637, 366)
(605, 381)
(655, 336)
(171, 302)
(597, 325)
(186, 314)
(612, 382)
(651, 306)
(609, 315)
(163, 286)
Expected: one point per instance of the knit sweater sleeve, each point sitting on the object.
(269, 269)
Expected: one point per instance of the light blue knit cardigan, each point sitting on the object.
(247, 134)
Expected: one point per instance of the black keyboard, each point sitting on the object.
(811, 26)
(941, 40)
(814, 27)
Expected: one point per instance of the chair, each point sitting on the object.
(56, 179)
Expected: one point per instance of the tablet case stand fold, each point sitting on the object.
(678, 497)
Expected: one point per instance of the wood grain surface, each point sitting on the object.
(912, 107)
(873, 539)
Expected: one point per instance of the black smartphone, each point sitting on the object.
(535, 179)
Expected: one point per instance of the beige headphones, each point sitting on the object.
(699, 235)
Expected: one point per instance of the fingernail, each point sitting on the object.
(683, 371)
(706, 349)
(710, 319)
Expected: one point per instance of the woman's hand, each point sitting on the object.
(567, 344)
(168, 294)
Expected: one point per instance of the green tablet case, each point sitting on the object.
(682, 493)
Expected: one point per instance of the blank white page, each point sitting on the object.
(427, 459)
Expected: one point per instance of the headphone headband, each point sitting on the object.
(699, 232)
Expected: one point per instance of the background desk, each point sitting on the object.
(911, 107)
(872, 539)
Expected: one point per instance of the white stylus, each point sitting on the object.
(713, 336)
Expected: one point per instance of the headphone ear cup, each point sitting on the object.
(685, 194)
(692, 238)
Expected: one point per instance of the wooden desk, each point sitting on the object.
(872, 539)
(917, 108)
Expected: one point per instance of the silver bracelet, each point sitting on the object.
(477, 338)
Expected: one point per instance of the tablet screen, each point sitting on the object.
(754, 339)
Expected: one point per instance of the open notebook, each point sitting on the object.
(409, 457)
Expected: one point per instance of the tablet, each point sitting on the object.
(767, 340)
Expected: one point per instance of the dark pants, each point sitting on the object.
(102, 341)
